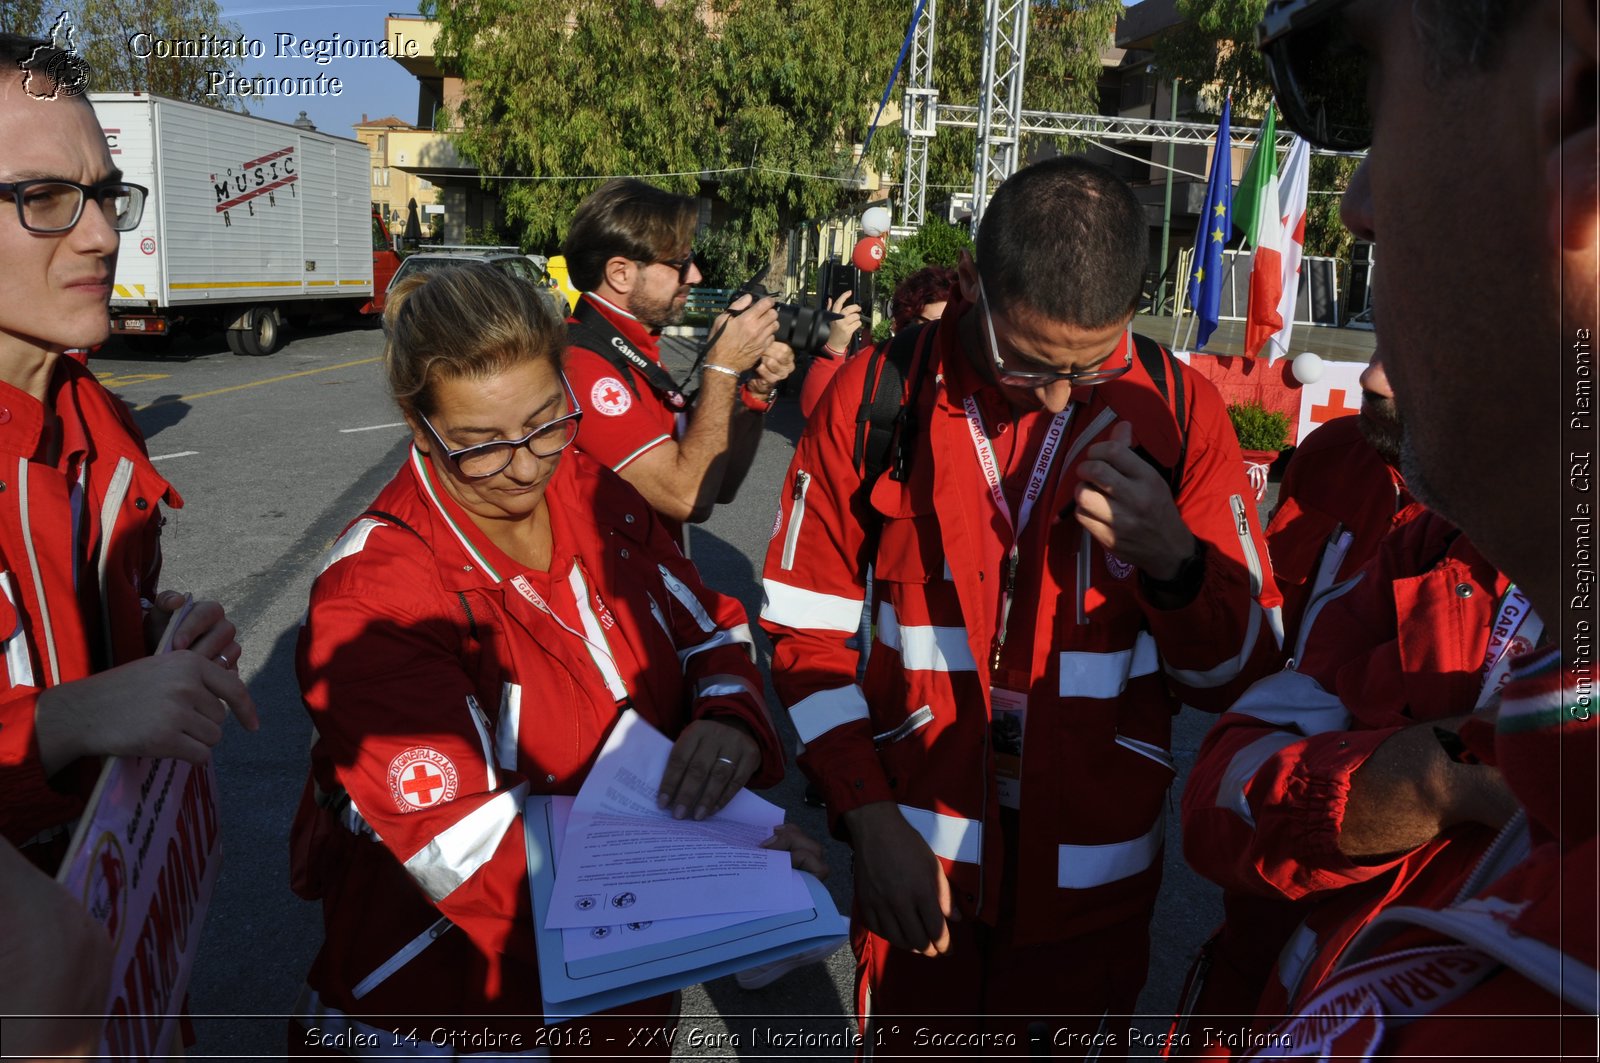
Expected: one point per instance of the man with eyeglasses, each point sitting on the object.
(1064, 552)
(628, 251)
(79, 500)
(1480, 191)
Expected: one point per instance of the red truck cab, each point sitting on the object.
(385, 260)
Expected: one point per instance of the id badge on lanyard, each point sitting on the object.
(1008, 717)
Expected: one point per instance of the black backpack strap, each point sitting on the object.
(887, 408)
(1158, 362)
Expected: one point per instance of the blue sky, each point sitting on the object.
(375, 86)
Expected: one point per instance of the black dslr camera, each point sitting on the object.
(804, 328)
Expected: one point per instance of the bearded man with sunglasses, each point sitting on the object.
(1481, 121)
(1064, 552)
(628, 250)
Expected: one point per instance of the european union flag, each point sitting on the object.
(1215, 226)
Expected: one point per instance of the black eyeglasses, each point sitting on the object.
(1318, 72)
(1078, 378)
(483, 460)
(50, 205)
(682, 265)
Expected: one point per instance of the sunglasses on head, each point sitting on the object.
(1318, 73)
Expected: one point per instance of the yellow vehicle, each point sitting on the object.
(557, 267)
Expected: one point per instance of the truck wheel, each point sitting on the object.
(262, 334)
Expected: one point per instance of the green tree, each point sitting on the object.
(26, 17)
(105, 32)
(763, 97)
(1216, 45)
(937, 243)
(1064, 42)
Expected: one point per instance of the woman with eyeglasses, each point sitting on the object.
(918, 299)
(475, 634)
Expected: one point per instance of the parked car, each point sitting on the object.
(505, 259)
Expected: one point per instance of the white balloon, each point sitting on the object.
(1307, 367)
(876, 221)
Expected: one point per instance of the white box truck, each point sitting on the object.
(249, 222)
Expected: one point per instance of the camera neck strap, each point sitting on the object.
(594, 331)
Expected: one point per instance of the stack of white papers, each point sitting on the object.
(636, 903)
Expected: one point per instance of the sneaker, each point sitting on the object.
(767, 973)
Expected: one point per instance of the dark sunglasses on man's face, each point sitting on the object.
(682, 265)
(1318, 72)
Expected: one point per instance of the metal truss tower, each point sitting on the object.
(919, 111)
(1005, 55)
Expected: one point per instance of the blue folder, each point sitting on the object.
(583, 987)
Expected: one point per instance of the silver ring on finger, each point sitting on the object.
(725, 760)
(222, 659)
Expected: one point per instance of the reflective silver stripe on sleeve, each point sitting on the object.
(1293, 699)
(1106, 675)
(1242, 769)
(951, 837)
(1228, 670)
(910, 725)
(817, 714)
(726, 686)
(507, 734)
(1298, 952)
(685, 596)
(925, 648)
(457, 852)
(19, 662)
(1080, 867)
(791, 606)
(625, 462)
(352, 542)
(733, 636)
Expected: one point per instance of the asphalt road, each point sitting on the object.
(274, 456)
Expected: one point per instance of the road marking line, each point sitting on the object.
(114, 381)
(371, 427)
(258, 383)
(179, 454)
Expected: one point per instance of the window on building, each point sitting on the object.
(380, 177)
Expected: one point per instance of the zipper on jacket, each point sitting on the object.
(1148, 750)
(1508, 847)
(915, 722)
(1241, 525)
(797, 513)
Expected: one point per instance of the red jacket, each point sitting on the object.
(442, 697)
(1104, 674)
(52, 632)
(1403, 643)
(1503, 971)
(1337, 502)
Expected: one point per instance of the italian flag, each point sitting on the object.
(1277, 232)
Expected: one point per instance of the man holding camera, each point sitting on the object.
(628, 250)
(1064, 550)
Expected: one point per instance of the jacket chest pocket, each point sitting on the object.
(910, 551)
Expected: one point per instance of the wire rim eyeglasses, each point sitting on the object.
(52, 205)
(1078, 378)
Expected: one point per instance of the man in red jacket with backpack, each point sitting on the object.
(1065, 550)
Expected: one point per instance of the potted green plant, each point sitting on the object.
(1263, 434)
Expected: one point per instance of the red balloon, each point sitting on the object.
(868, 255)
